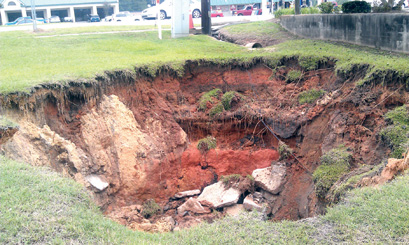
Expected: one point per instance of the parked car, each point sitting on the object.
(17, 20)
(25, 20)
(54, 19)
(109, 18)
(68, 19)
(246, 11)
(166, 10)
(125, 16)
(93, 18)
(215, 13)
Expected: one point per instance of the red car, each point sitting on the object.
(247, 10)
(216, 14)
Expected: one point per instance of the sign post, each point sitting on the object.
(33, 15)
(158, 19)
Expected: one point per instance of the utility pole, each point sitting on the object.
(33, 15)
(206, 20)
(297, 7)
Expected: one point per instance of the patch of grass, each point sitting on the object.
(309, 63)
(228, 179)
(27, 60)
(310, 96)
(293, 75)
(39, 206)
(99, 29)
(227, 98)
(217, 109)
(150, 208)
(335, 194)
(374, 214)
(205, 144)
(334, 164)
(208, 97)
(7, 123)
(396, 134)
(255, 29)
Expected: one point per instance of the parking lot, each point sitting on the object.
(196, 21)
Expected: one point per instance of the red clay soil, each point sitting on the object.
(140, 133)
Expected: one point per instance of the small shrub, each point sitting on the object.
(280, 12)
(284, 150)
(150, 208)
(310, 10)
(293, 75)
(208, 97)
(227, 98)
(204, 145)
(310, 96)
(217, 109)
(334, 164)
(356, 7)
(251, 178)
(326, 8)
(395, 135)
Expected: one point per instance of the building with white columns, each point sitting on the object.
(76, 9)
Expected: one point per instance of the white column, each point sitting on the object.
(94, 10)
(3, 16)
(264, 7)
(116, 8)
(72, 14)
(23, 12)
(47, 13)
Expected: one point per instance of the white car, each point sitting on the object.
(122, 17)
(166, 10)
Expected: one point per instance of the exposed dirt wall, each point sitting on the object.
(136, 135)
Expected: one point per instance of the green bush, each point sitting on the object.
(356, 7)
(326, 7)
(150, 208)
(293, 75)
(204, 145)
(334, 164)
(310, 10)
(280, 12)
(310, 96)
(395, 135)
(208, 97)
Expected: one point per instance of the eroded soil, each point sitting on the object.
(137, 135)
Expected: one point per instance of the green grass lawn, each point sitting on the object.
(39, 206)
(26, 59)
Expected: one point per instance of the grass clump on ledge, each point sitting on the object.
(208, 97)
(230, 178)
(150, 208)
(205, 144)
(396, 134)
(334, 164)
(227, 99)
(310, 96)
(217, 109)
(293, 76)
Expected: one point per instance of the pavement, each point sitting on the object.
(196, 21)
